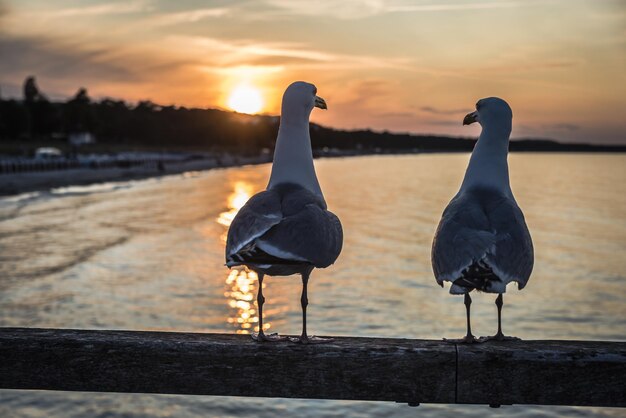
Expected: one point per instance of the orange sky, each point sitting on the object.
(414, 66)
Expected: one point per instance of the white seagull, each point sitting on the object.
(482, 241)
(287, 228)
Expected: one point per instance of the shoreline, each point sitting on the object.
(18, 183)
(12, 184)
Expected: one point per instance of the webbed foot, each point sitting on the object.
(499, 337)
(304, 339)
(262, 337)
(468, 339)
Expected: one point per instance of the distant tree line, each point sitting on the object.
(147, 124)
(144, 124)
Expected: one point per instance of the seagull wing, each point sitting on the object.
(260, 213)
(463, 237)
(487, 226)
(313, 235)
(285, 225)
(513, 257)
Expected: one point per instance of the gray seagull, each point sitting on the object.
(482, 241)
(287, 229)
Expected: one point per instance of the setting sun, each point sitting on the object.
(245, 99)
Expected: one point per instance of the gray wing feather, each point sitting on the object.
(483, 224)
(287, 222)
(256, 217)
(312, 234)
(463, 235)
(514, 254)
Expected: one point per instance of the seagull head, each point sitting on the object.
(490, 111)
(299, 100)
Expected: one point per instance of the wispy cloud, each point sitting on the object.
(417, 118)
(365, 97)
(358, 9)
(247, 52)
(189, 16)
(116, 8)
(47, 58)
(562, 127)
(448, 123)
(462, 7)
(527, 65)
(433, 110)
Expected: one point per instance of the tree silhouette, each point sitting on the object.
(31, 91)
(79, 114)
(43, 116)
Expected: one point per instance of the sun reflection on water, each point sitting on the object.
(241, 283)
(236, 200)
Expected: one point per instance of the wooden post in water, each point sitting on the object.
(378, 369)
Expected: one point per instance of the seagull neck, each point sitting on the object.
(293, 156)
(488, 166)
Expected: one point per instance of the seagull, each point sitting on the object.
(482, 241)
(287, 229)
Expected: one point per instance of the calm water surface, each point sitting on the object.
(148, 255)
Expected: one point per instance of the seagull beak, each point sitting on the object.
(321, 103)
(470, 118)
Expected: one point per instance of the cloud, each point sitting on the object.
(359, 9)
(188, 16)
(116, 8)
(361, 95)
(456, 6)
(366, 91)
(31, 55)
(528, 65)
(62, 66)
(281, 60)
(433, 110)
(449, 122)
(569, 127)
(398, 115)
(250, 52)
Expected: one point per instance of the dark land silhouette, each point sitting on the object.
(36, 121)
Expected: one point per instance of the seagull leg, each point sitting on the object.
(304, 301)
(469, 338)
(499, 335)
(260, 299)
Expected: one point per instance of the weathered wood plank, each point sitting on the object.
(583, 373)
(220, 364)
(412, 371)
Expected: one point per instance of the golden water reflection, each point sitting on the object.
(240, 195)
(241, 283)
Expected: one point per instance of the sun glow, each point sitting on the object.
(245, 99)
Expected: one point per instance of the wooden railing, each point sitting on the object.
(589, 373)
